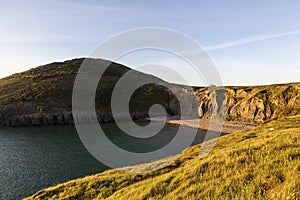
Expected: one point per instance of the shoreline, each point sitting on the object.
(227, 127)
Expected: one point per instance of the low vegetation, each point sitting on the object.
(261, 163)
(43, 95)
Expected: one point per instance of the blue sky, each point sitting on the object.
(251, 42)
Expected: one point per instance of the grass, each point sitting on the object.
(50, 87)
(41, 85)
(260, 163)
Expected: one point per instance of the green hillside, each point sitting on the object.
(262, 163)
(43, 95)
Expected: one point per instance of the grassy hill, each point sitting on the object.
(43, 95)
(262, 163)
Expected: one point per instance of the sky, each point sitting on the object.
(250, 42)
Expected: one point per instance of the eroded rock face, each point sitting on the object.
(212, 102)
(251, 104)
(183, 103)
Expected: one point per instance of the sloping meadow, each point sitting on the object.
(261, 163)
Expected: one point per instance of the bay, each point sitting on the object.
(33, 158)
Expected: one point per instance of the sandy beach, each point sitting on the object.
(225, 127)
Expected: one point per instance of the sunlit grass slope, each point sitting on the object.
(261, 163)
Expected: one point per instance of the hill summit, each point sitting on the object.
(43, 95)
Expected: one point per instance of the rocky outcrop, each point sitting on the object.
(250, 104)
(183, 103)
(65, 118)
(40, 119)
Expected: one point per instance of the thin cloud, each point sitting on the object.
(89, 6)
(34, 39)
(240, 42)
(249, 40)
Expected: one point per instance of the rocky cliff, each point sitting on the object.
(252, 103)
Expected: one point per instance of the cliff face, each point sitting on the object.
(251, 104)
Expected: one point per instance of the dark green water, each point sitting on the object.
(33, 158)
